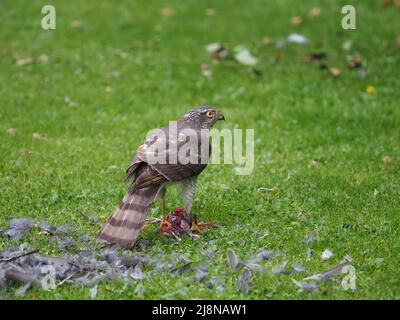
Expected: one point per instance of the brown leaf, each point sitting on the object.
(209, 12)
(25, 152)
(315, 57)
(398, 43)
(76, 24)
(266, 41)
(387, 159)
(11, 130)
(314, 12)
(166, 12)
(296, 20)
(354, 62)
(37, 136)
(24, 61)
(335, 72)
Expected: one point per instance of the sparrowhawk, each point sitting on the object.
(181, 146)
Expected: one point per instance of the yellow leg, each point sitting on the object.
(193, 220)
(164, 222)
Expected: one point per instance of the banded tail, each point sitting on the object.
(125, 223)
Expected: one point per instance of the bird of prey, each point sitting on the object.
(180, 145)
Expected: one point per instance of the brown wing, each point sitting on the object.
(146, 176)
(168, 170)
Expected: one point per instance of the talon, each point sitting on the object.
(195, 227)
(165, 225)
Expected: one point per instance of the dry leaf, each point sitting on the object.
(314, 12)
(43, 58)
(387, 159)
(209, 12)
(335, 72)
(24, 61)
(76, 24)
(11, 130)
(37, 136)
(25, 152)
(166, 12)
(354, 62)
(314, 163)
(315, 57)
(266, 41)
(296, 20)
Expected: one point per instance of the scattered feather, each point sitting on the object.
(328, 274)
(326, 254)
(243, 281)
(244, 56)
(297, 38)
(233, 260)
(93, 292)
(19, 228)
(304, 286)
(281, 269)
(298, 268)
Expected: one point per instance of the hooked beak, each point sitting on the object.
(221, 116)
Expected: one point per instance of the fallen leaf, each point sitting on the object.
(108, 89)
(25, 152)
(43, 58)
(315, 57)
(335, 71)
(347, 45)
(11, 130)
(266, 41)
(354, 62)
(314, 12)
(209, 12)
(166, 12)
(296, 20)
(397, 44)
(37, 136)
(24, 61)
(76, 24)
(387, 159)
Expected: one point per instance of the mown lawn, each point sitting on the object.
(328, 146)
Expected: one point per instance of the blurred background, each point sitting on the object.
(76, 101)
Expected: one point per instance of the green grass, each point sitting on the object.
(350, 200)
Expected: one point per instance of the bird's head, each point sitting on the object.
(204, 117)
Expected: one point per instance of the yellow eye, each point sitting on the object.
(210, 114)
